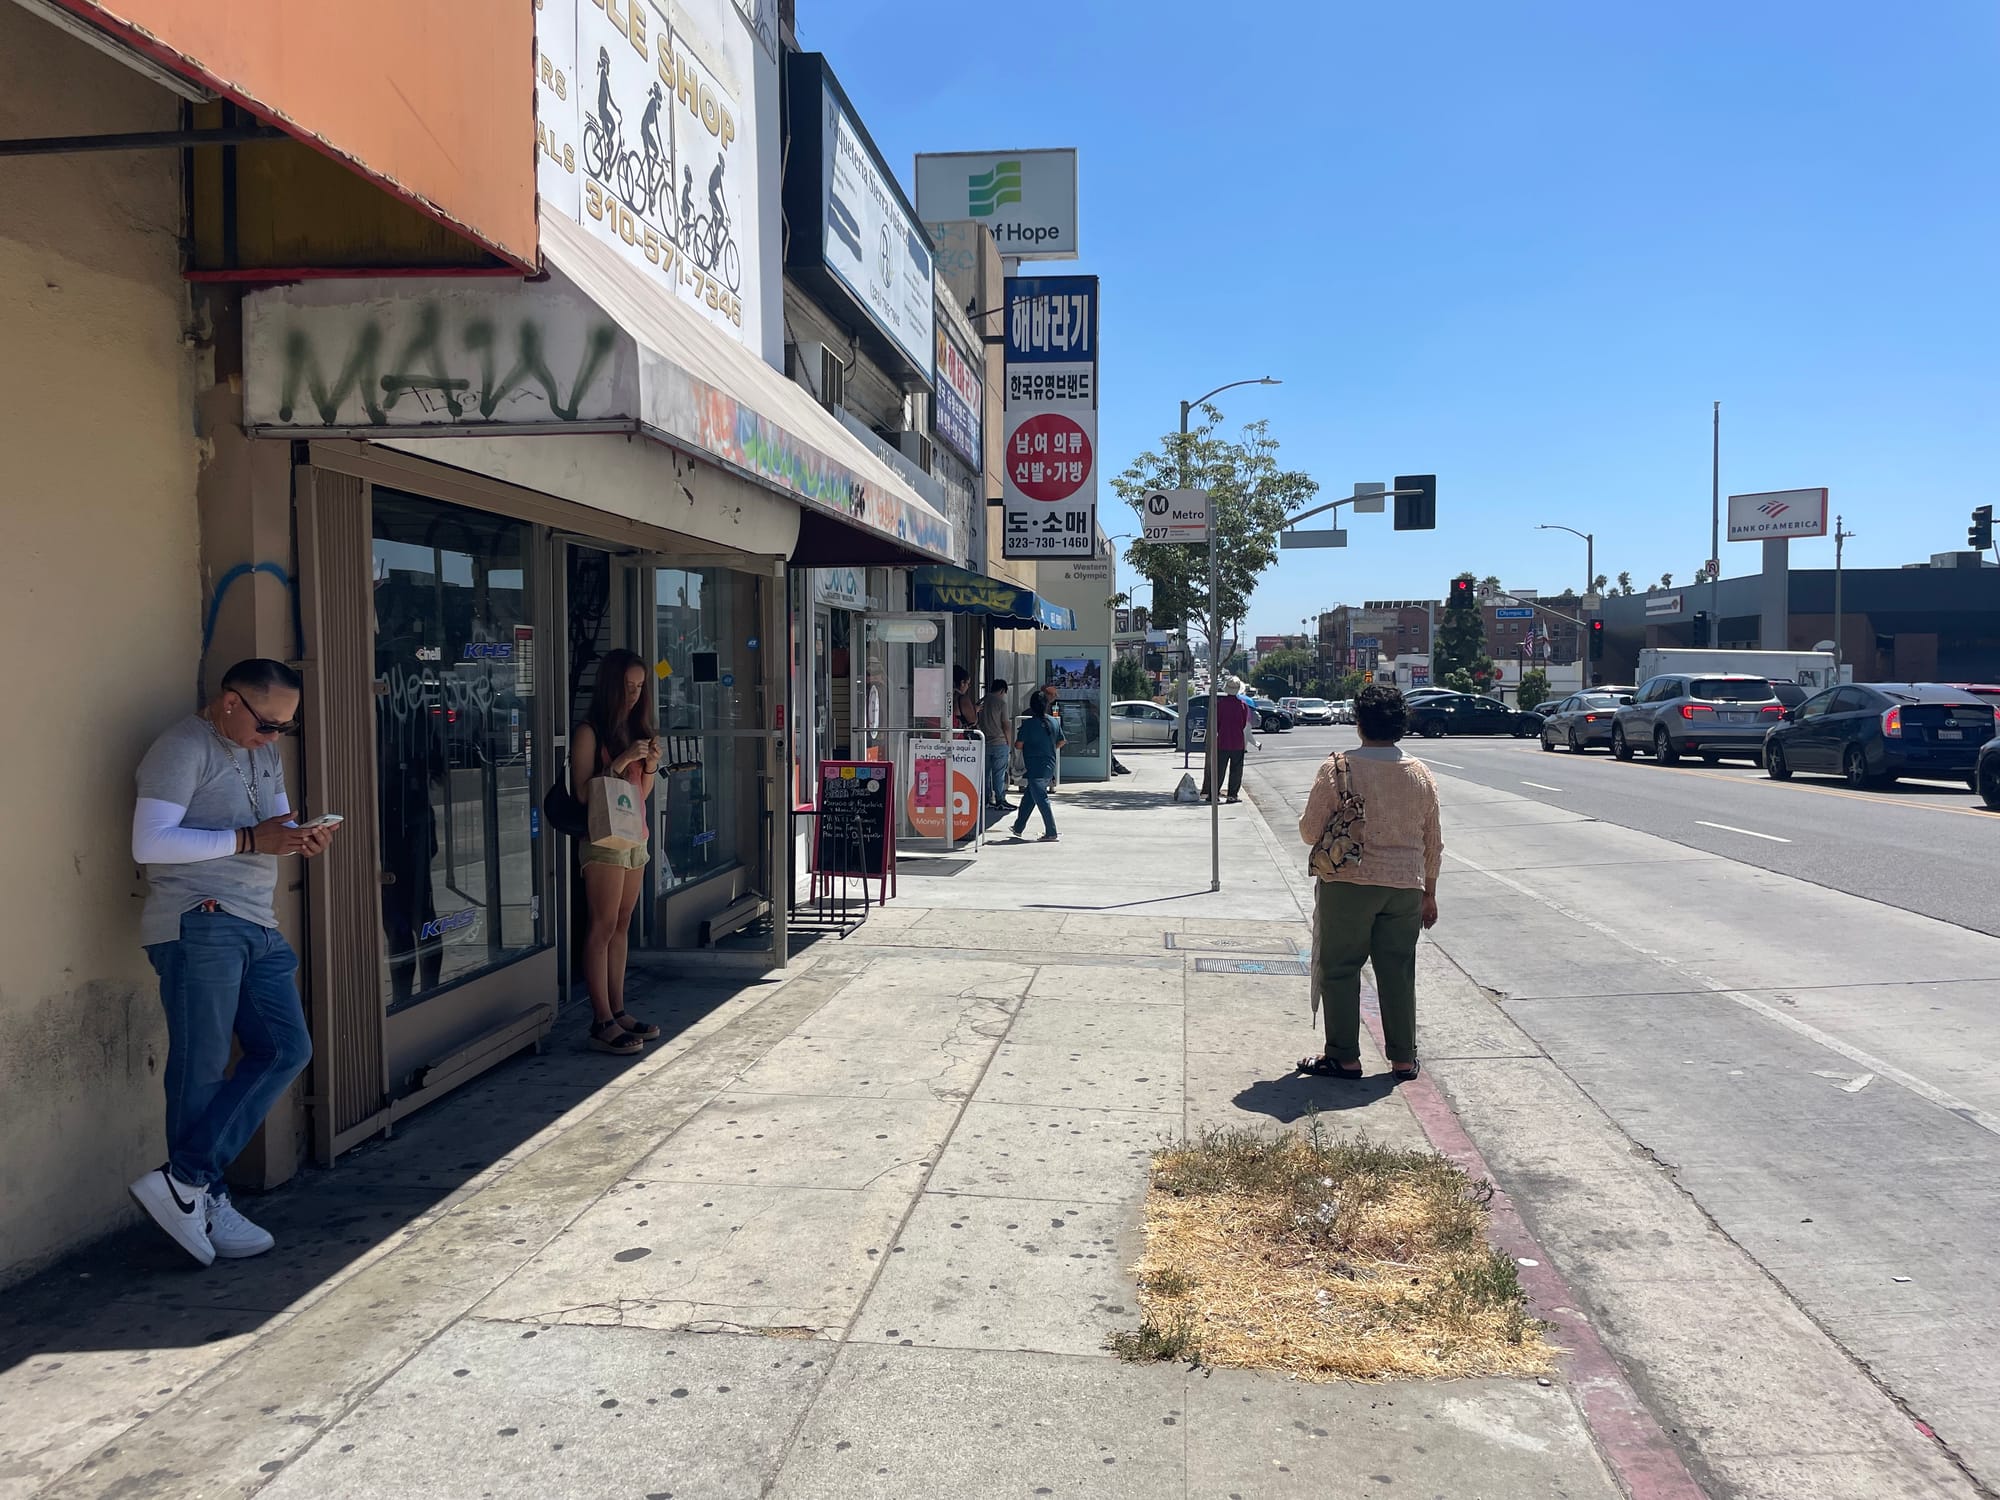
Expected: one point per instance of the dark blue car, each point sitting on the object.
(1873, 732)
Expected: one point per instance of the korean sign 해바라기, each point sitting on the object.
(1049, 476)
(958, 399)
(641, 142)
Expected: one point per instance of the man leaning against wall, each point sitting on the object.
(211, 822)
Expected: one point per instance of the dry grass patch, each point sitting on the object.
(1327, 1260)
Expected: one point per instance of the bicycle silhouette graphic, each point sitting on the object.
(713, 249)
(642, 179)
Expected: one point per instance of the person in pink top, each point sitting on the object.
(617, 739)
(1232, 725)
(1373, 907)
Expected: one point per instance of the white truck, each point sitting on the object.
(1811, 670)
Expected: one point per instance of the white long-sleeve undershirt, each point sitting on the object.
(159, 839)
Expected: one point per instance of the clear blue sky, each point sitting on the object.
(1521, 245)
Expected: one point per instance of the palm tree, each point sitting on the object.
(1598, 583)
(1625, 584)
(1666, 580)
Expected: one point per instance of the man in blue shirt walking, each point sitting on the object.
(1038, 739)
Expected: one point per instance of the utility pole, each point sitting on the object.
(1840, 536)
(1715, 532)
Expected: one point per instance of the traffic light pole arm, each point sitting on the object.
(1581, 624)
(1306, 515)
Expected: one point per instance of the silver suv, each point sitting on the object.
(1710, 714)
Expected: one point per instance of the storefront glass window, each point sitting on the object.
(711, 673)
(454, 701)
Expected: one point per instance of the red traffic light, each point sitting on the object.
(1461, 593)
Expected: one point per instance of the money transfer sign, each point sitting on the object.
(1049, 488)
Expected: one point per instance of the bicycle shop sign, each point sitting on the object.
(639, 140)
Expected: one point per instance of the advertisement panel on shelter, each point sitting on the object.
(1049, 475)
(642, 141)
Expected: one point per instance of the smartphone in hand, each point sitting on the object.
(324, 820)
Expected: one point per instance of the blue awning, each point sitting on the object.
(959, 592)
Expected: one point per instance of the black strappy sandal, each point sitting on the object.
(1405, 1072)
(645, 1031)
(1326, 1067)
(609, 1036)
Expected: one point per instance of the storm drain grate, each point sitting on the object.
(932, 866)
(1201, 943)
(1248, 966)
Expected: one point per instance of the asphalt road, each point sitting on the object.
(1784, 996)
(1928, 847)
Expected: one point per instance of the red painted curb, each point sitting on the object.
(1638, 1451)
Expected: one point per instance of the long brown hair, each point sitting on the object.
(615, 734)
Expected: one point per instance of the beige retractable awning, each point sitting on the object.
(702, 390)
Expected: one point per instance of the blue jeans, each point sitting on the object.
(998, 753)
(226, 976)
(1036, 797)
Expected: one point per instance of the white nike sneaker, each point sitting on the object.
(234, 1237)
(179, 1209)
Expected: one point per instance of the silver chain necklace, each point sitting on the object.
(249, 785)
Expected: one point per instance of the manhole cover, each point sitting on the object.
(1203, 943)
(932, 866)
(1248, 966)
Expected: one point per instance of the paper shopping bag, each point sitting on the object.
(617, 815)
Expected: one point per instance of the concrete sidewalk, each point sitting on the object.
(862, 1231)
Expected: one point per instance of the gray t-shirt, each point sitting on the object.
(191, 767)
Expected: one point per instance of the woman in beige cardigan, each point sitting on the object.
(1374, 906)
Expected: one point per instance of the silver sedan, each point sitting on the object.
(1138, 722)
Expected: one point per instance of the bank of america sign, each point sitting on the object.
(1027, 198)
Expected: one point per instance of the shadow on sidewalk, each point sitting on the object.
(135, 1289)
(1293, 1097)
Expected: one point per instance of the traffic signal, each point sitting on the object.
(1597, 640)
(1979, 536)
(1701, 627)
(1416, 502)
(1367, 678)
(1461, 593)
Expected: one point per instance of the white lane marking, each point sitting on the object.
(1972, 1114)
(1427, 760)
(1540, 788)
(1746, 832)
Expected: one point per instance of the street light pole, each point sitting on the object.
(1214, 649)
(1715, 533)
(1840, 536)
(1589, 553)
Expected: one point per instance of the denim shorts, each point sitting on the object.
(624, 859)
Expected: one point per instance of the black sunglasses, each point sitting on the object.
(264, 725)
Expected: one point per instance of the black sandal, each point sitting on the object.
(1326, 1067)
(609, 1036)
(1405, 1072)
(645, 1031)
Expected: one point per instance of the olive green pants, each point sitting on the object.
(1359, 924)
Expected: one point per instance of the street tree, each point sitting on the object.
(1534, 688)
(1290, 670)
(1666, 580)
(1250, 494)
(1597, 584)
(1461, 644)
(1128, 678)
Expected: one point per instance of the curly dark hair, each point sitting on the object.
(1380, 712)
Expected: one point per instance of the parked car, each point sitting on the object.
(1469, 713)
(1309, 710)
(1986, 774)
(1873, 732)
(1138, 722)
(1343, 711)
(1710, 714)
(1271, 718)
(1582, 721)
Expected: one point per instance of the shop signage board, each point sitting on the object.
(1663, 604)
(933, 764)
(1049, 470)
(958, 399)
(641, 142)
(1777, 515)
(855, 240)
(1027, 198)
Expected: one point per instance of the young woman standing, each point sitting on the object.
(617, 739)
